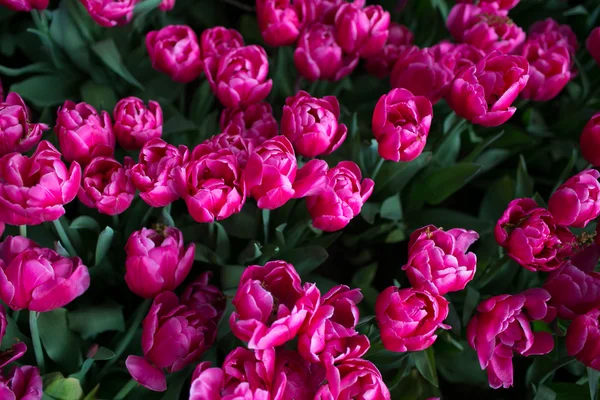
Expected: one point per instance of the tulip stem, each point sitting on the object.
(128, 387)
(136, 320)
(23, 230)
(37, 343)
(377, 168)
(64, 238)
(115, 221)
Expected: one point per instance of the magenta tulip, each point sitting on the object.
(35, 189)
(361, 30)
(201, 295)
(215, 42)
(157, 261)
(22, 383)
(583, 338)
(342, 199)
(472, 96)
(107, 185)
(355, 378)
(590, 141)
(577, 201)
(110, 13)
(255, 122)
(153, 174)
(136, 124)
(401, 123)
(17, 134)
(555, 33)
(25, 5)
(83, 134)
(400, 38)
(174, 51)
(592, 44)
(278, 22)
(311, 124)
(38, 279)
(503, 327)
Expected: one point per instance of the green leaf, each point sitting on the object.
(103, 245)
(85, 222)
(40, 67)
(250, 253)
(395, 176)
(60, 388)
(62, 345)
(222, 248)
(524, 185)
(12, 335)
(146, 6)
(544, 393)
(425, 363)
(36, 90)
(202, 102)
(305, 259)
(593, 376)
(91, 320)
(230, 276)
(447, 152)
(102, 97)
(178, 124)
(391, 208)
(496, 198)
(471, 302)
(109, 54)
(441, 184)
(566, 173)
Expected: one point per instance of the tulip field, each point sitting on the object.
(299, 199)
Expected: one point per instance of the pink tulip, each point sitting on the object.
(240, 78)
(473, 96)
(215, 43)
(408, 318)
(329, 334)
(16, 351)
(353, 378)
(136, 124)
(318, 56)
(38, 279)
(401, 123)
(361, 30)
(295, 378)
(590, 141)
(174, 51)
(1, 92)
(342, 199)
(484, 27)
(549, 69)
(153, 174)
(322, 11)
(438, 260)
(207, 298)
(254, 368)
(400, 38)
(278, 21)
(456, 57)
(107, 186)
(22, 383)
(167, 5)
(17, 134)
(110, 13)
(83, 134)
(157, 261)
(25, 5)
(271, 173)
(583, 338)
(2, 227)
(211, 185)
(498, 4)
(574, 290)
(531, 236)
(577, 201)
(417, 71)
(311, 124)
(562, 35)
(503, 327)
(255, 122)
(240, 146)
(268, 305)
(173, 336)
(35, 189)
(592, 44)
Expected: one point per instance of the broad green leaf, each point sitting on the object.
(41, 67)
(593, 376)
(441, 184)
(91, 320)
(102, 97)
(524, 185)
(305, 259)
(45, 90)
(107, 51)
(103, 245)
(425, 363)
(60, 388)
(471, 302)
(393, 177)
(85, 222)
(230, 275)
(202, 102)
(391, 208)
(544, 393)
(496, 198)
(62, 345)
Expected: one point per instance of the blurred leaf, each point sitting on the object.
(178, 124)
(425, 363)
(109, 54)
(447, 152)
(60, 388)
(202, 102)
(394, 176)
(62, 345)
(566, 173)
(222, 247)
(12, 335)
(524, 185)
(102, 97)
(92, 320)
(305, 259)
(35, 90)
(593, 376)
(441, 184)
(496, 198)
(85, 222)
(230, 276)
(391, 208)
(103, 245)
(41, 67)
(471, 302)
(461, 368)
(544, 393)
